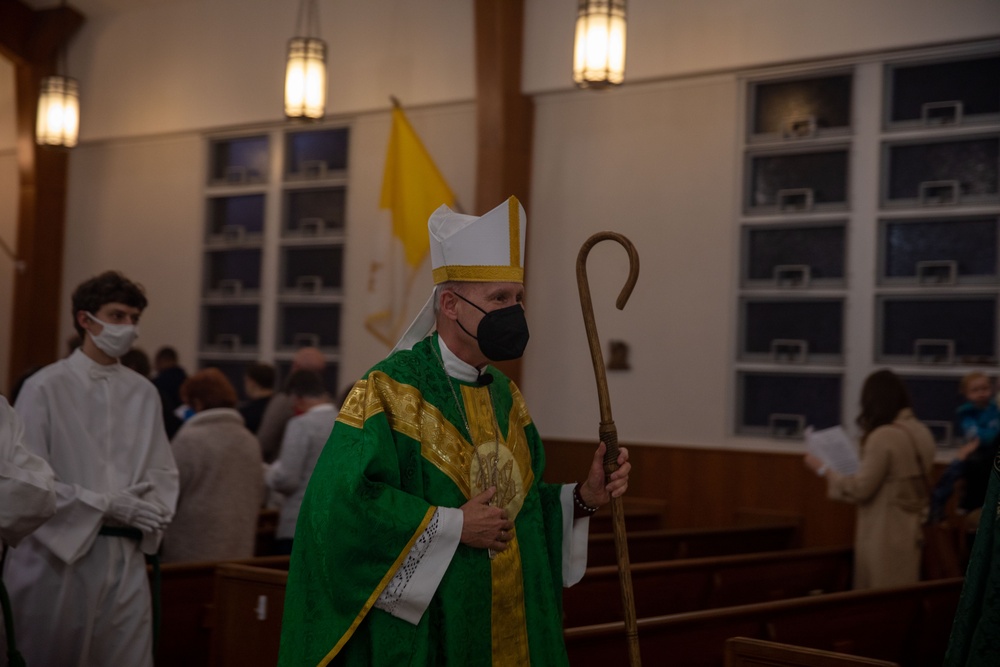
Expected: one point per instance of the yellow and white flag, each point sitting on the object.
(412, 187)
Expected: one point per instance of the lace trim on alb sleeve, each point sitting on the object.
(396, 589)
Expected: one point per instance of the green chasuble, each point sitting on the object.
(399, 450)
(975, 636)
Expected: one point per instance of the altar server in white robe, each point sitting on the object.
(78, 584)
(27, 492)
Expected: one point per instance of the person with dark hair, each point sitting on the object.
(221, 484)
(79, 583)
(137, 360)
(890, 487)
(169, 378)
(281, 407)
(304, 439)
(258, 384)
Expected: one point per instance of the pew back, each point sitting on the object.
(909, 625)
(744, 652)
(249, 603)
(653, 545)
(671, 587)
(187, 591)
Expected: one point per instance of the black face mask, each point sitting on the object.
(502, 333)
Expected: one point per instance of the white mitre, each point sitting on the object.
(488, 248)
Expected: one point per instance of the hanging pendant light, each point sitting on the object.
(58, 112)
(58, 121)
(305, 73)
(599, 49)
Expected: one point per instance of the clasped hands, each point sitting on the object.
(488, 527)
(128, 507)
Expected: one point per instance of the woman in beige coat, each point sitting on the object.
(890, 487)
(221, 476)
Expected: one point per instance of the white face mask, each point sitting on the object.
(115, 339)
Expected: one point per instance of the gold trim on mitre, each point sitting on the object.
(479, 274)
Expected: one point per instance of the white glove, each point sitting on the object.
(126, 507)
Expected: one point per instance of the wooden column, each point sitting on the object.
(504, 115)
(32, 40)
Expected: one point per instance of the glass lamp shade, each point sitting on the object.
(58, 112)
(599, 49)
(305, 78)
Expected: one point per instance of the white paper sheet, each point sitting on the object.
(834, 448)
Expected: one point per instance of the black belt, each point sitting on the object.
(154, 560)
(14, 657)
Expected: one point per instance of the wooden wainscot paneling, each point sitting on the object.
(717, 487)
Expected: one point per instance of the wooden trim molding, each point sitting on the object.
(32, 40)
(504, 117)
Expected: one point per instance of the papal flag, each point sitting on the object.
(412, 187)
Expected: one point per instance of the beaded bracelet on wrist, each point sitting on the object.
(579, 501)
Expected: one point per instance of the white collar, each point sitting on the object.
(322, 407)
(455, 367)
(93, 369)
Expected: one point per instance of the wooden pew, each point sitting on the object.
(249, 603)
(743, 652)
(640, 514)
(909, 625)
(186, 598)
(671, 587)
(653, 545)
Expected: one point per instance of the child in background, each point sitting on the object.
(979, 422)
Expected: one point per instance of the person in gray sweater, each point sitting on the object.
(221, 480)
(305, 437)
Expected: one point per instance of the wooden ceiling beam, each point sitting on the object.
(29, 37)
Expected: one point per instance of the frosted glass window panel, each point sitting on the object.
(935, 400)
(939, 330)
(941, 251)
(926, 93)
(802, 107)
(231, 328)
(235, 219)
(315, 212)
(793, 330)
(233, 272)
(776, 404)
(944, 172)
(313, 270)
(330, 376)
(233, 370)
(797, 182)
(794, 256)
(316, 153)
(309, 325)
(239, 161)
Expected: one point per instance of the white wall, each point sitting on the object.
(656, 161)
(661, 172)
(682, 37)
(205, 64)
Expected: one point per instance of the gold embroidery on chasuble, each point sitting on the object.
(513, 460)
(471, 470)
(509, 628)
(407, 413)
